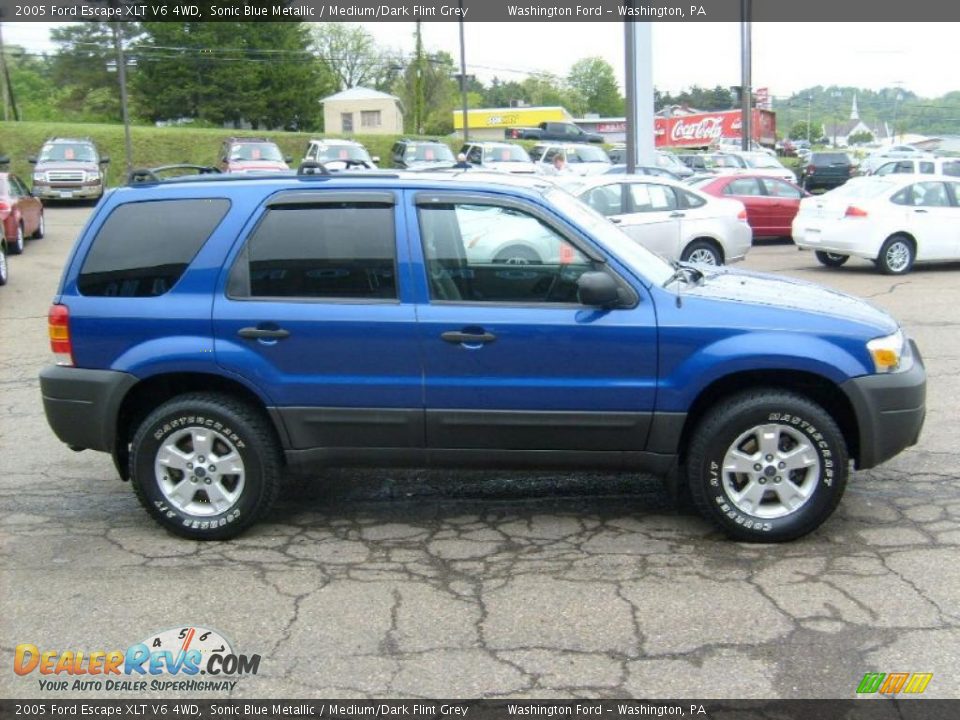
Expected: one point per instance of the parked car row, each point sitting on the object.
(21, 217)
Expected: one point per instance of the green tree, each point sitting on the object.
(81, 68)
(441, 94)
(37, 96)
(594, 80)
(352, 55)
(225, 73)
(800, 131)
(860, 138)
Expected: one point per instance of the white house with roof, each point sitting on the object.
(362, 111)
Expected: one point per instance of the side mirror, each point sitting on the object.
(598, 289)
(32, 159)
(105, 160)
(288, 159)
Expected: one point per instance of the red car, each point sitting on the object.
(20, 212)
(771, 203)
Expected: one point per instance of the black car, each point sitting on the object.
(421, 154)
(826, 170)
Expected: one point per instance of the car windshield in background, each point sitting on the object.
(830, 159)
(256, 151)
(507, 153)
(761, 160)
(864, 187)
(343, 152)
(428, 152)
(721, 161)
(56, 152)
(647, 264)
(586, 154)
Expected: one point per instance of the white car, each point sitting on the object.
(499, 157)
(668, 217)
(894, 220)
(338, 154)
(920, 166)
(894, 152)
(582, 159)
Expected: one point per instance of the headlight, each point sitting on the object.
(891, 353)
(40, 177)
(92, 176)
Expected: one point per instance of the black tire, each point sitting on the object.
(517, 255)
(700, 248)
(896, 255)
(831, 259)
(233, 425)
(41, 228)
(731, 426)
(4, 266)
(16, 245)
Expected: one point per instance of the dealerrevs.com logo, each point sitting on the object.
(183, 659)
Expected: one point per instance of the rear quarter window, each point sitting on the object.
(144, 248)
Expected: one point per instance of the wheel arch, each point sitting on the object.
(814, 387)
(710, 240)
(152, 391)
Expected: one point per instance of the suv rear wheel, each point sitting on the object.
(767, 466)
(205, 466)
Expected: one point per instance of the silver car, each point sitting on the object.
(668, 217)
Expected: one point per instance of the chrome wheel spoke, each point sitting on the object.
(183, 493)
(737, 461)
(202, 444)
(768, 438)
(752, 495)
(800, 458)
(171, 456)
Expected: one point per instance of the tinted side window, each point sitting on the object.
(606, 199)
(489, 253)
(778, 188)
(952, 168)
(743, 186)
(143, 248)
(340, 250)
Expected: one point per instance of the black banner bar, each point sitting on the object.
(145, 709)
(476, 10)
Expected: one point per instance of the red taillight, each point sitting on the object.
(854, 211)
(810, 169)
(4, 207)
(742, 215)
(58, 326)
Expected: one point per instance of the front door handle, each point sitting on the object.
(920, 210)
(256, 333)
(676, 214)
(462, 338)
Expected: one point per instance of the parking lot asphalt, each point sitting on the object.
(454, 584)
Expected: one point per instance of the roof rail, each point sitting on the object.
(140, 176)
(312, 167)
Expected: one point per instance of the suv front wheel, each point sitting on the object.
(205, 466)
(767, 466)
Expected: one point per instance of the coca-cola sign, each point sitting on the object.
(706, 128)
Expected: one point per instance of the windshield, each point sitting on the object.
(428, 152)
(722, 161)
(507, 153)
(652, 267)
(667, 160)
(861, 187)
(256, 151)
(761, 160)
(342, 152)
(586, 154)
(70, 152)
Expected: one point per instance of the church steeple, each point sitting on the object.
(854, 113)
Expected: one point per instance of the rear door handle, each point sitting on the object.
(676, 214)
(255, 333)
(462, 338)
(919, 210)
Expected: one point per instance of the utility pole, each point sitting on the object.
(809, 108)
(9, 101)
(746, 82)
(463, 80)
(122, 77)
(418, 85)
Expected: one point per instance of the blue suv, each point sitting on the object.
(213, 333)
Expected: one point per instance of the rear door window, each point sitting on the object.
(343, 250)
(144, 248)
(743, 186)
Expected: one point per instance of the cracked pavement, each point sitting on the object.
(492, 584)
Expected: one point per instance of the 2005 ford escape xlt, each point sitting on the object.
(212, 333)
